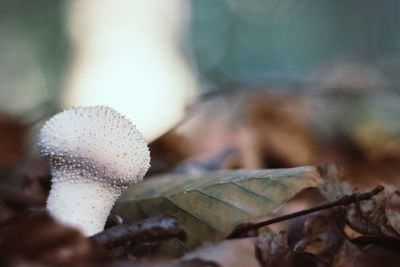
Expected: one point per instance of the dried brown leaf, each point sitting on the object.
(351, 255)
(13, 139)
(36, 239)
(264, 129)
(322, 237)
(374, 217)
(273, 249)
(229, 253)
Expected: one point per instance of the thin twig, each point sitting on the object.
(345, 200)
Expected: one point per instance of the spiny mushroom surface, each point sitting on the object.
(94, 153)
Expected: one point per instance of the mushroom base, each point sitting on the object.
(82, 204)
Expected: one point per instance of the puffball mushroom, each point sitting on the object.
(94, 153)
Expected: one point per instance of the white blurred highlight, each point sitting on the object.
(127, 57)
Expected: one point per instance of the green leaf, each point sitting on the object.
(208, 207)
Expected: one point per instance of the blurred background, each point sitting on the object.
(213, 83)
(222, 43)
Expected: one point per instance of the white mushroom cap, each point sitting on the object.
(94, 153)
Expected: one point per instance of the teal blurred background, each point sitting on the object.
(258, 42)
(33, 53)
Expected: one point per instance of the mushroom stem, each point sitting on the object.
(81, 203)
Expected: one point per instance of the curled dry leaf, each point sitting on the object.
(25, 184)
(266, 128)
(5, 212)
(351, 255)
(228, 253)
(392, 210)
(378, 216)
(322, 237)
(273, 249)
(36, 239)
(13, 139)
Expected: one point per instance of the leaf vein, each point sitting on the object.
(223, 201)
(191, 214)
